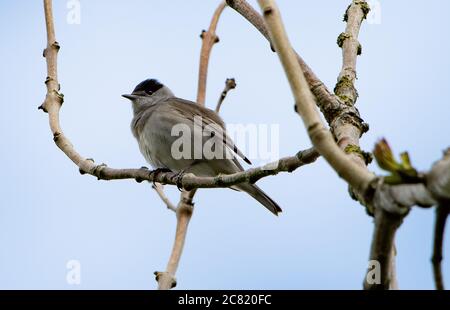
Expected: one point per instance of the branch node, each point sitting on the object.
(202, 35)
(56, 46)
(342, 37)
(164, 276)
(42, 107)
(98, 171)
(359, 51)
(56, 136)
(267, 11)
(231, 83)
(346, 14)
(59, 96)
(365, 7)
(82, 172)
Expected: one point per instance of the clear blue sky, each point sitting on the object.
(120, 231)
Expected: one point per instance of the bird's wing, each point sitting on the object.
(211, 121)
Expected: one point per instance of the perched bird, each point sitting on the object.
(159, 118)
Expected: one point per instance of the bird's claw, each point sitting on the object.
(178, 179)
(158, 171)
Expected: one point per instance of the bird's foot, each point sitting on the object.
(179, 178)
(158, 171)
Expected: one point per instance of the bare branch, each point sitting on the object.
(159, 188)
(351, 48)
(54, 98)
(386, 225)
(358, 177)
(209, 38)
(442, 212)
(229, 84)
(190, 181)
(346, 91)
(354, 172)
(166, 280)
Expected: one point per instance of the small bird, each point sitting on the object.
(159, 115)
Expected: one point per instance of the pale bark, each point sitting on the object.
(209, 38)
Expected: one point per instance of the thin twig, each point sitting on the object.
(159, 189)
(209, 38)
(229, 84)
(442, 212)
(166, 280)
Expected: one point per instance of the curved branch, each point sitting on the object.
(54, 99)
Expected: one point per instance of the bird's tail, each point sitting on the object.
(260, 196)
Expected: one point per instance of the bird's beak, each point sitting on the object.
(129, 96)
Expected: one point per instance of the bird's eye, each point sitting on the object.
(148, 92)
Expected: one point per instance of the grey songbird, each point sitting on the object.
(160, 117)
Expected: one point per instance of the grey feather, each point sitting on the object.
(154, 118)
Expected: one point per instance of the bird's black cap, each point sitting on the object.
(149, 86)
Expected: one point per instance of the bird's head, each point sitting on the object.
(148, 92)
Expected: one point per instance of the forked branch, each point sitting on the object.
(357, 176)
